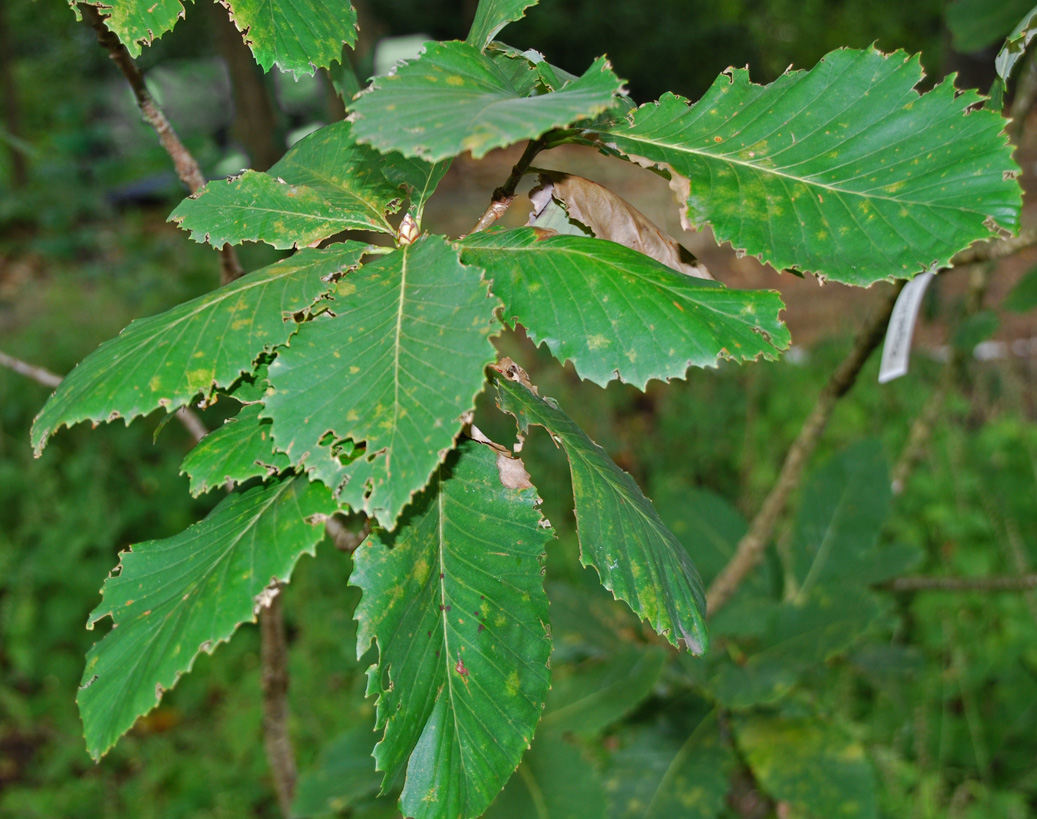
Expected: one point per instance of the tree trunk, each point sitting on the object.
(256, 125)
(12, 108)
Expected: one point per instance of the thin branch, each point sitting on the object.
(750, 548)
(1025, 94)
(192, 423)
(185, 415)
(923, 425)
(37, 374)
(187, 167)
(505, 194)
(921, 431)
(344, 538)
(274, 662)
(995, 248)
(1020, 583)
(274, 654)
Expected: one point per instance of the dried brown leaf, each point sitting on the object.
(611, 217)
(513, 473)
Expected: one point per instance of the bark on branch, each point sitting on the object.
(1024, 582)
(505, 194)
(750, 548)
(187, 168)
(274, 662)
(185, 415)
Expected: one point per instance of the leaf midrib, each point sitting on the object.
(837, 191)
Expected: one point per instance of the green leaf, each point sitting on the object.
(251, 387)
(257, 207)
(976, 24)
(621, 536)
(348, 174)
(715, 527)
(1023, 297)
(586, 625)
(172, 599)
(239, 450)
(137, 23)
(844, 170)
(520, 68)
(797, 638)
(661, 773)
(344, 774)
(454, 98)
(491, 16)
(554, 781)
(1016, 44)
(845, 503)
(811, 765)
(707, 519)
(296, 35)
(609, 216)
(396, 368)
(417, 177)
(325, 184)
(599, 692)
(974, 330)
(615, 313)
(456, 605)
(172, 358)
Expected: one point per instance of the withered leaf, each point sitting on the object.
(608, 216)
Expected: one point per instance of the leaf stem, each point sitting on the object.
(505, 194)
(186, 165)
(750, 548)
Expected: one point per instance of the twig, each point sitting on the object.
(505, 194)
(17, 155)
(185, 415)
(750, 548)
(37, 374)
(1025, 94)
(344, 538)
(274, 662)
(192, 423)
(921, 431)
(186, 166)
(1024, 582)
(995, 248)
(922, 428)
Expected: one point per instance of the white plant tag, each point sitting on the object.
(896, 349)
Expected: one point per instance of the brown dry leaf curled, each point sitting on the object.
(611, 217)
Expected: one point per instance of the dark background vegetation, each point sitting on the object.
(84, 248)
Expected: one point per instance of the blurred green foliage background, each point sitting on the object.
(938, 689)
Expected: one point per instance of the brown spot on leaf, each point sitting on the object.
(512, 472)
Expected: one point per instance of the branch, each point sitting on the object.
(1024, 582)
(1025, 94)
(186, 166)
(922, 427)
(274, 662)
(995, 248)
(505, 194)
(185, 415)
(750, 548)
(37, 374)
(346, 539)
